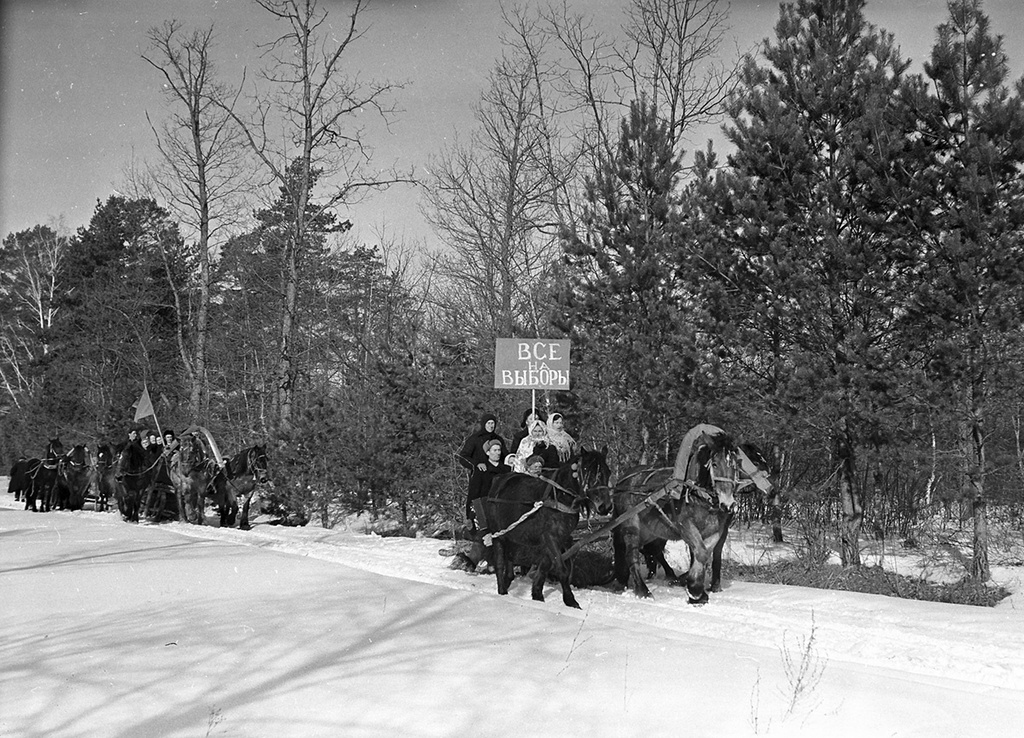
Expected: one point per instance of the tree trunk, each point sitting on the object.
(286, 368)
(974, 448)
(853, 512)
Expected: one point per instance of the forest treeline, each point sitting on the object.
(843, 286)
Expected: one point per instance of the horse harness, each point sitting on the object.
(52, 461)
(676, 489)
(250, 462)
(548, 501)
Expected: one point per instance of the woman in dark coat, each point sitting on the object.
(472, 455)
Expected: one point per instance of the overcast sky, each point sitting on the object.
(75, 90)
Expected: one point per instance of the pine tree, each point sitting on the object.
(620, 295)
(971, 290)
(807, 250)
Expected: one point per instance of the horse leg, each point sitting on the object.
(654, 556)
(147, 506)
(563, 570)
(134, 503)
(539, 578)
(500, 569)
(243, 523)
(620, 566)
(632, 558)
(179, 497)
(716, 557)
(699, 553)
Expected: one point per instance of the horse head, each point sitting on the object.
(257, 459)
(715, 466)
(594, 475)
(78, 456)
(104, 456)
(54, 449)
(191, 453)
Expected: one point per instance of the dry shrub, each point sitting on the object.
(870, 580)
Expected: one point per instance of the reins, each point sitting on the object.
(679, 489)
(548, 502)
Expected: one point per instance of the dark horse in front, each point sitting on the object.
(691, 501)
(536, 516)
(136, 470)
(41, 477)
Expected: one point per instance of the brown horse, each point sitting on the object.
(691, 502)
(755, 471)
(243, 473)
(537, 516)
(193, 472)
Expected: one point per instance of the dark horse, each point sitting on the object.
(103, 476)
(196, 476)
(691, 502)
(19, 478)
(74, 476)
(243, 472)
(536, 516)
(42, 474)
(135, 472)
(754, 475)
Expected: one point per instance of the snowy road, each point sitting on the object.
(121, 630)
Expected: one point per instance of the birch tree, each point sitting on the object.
(30, 285)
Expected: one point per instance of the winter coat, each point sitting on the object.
(472, 452)
(480, 481)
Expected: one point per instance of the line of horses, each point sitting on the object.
(532, 519)
(145, 484)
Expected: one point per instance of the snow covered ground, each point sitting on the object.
(111, 629)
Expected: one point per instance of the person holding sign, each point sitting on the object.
(529, 415)
(562, 444)
(535, 443)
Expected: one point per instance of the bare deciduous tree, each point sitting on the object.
(495, 202)
(306, 127)
(669, 56)
(200, 175)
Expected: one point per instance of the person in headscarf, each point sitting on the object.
(472, 455)
(529, 415)
(535, 443)
(563, 444)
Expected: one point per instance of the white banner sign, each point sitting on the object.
(531, 363)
